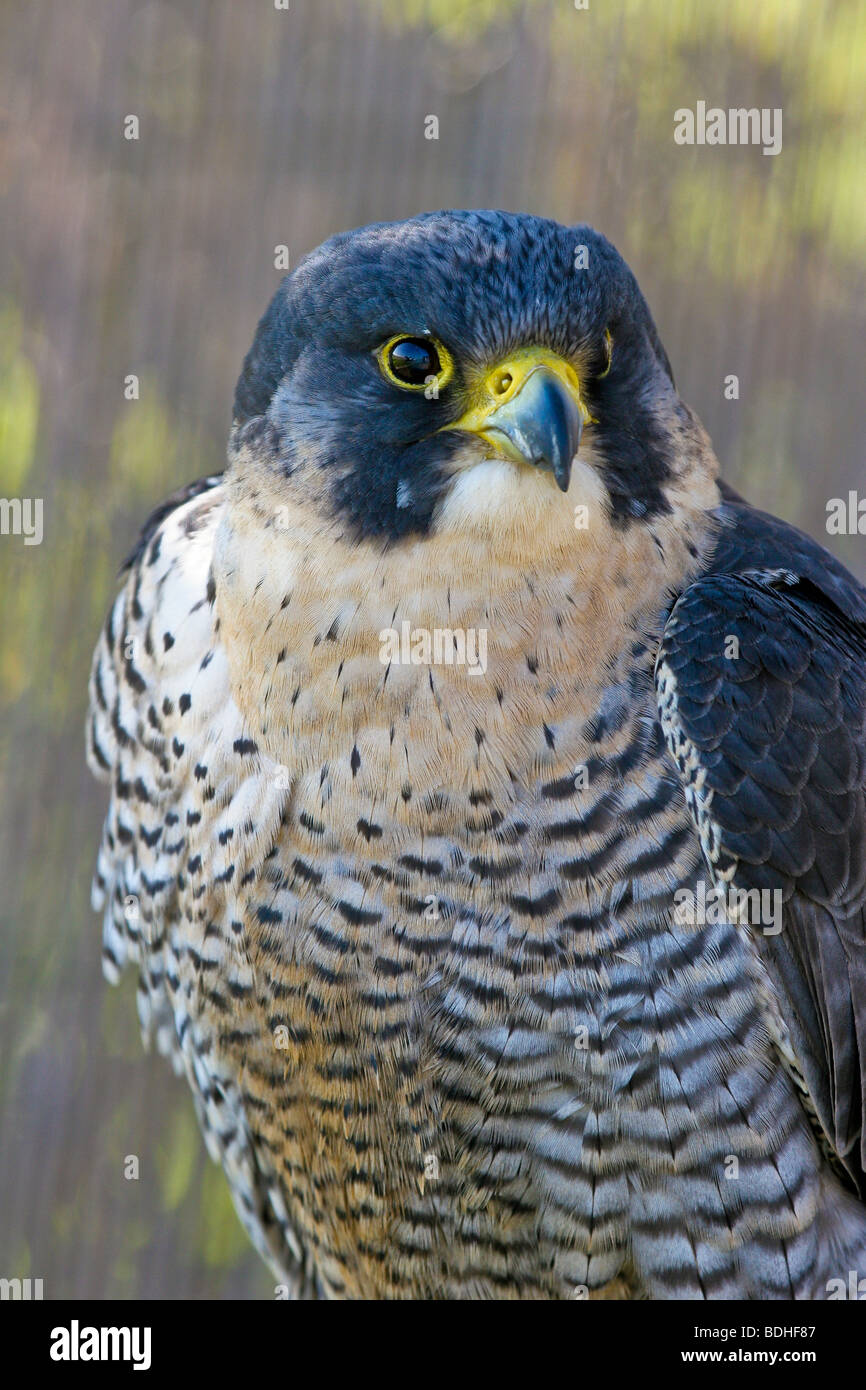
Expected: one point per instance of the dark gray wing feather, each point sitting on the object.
(771, 744)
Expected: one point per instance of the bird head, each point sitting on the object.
(478, 369)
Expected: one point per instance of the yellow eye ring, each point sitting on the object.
(439, 371)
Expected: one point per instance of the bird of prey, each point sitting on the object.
(487, 816)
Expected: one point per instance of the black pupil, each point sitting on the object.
(412, 360)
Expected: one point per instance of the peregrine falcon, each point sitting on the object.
(487, 800)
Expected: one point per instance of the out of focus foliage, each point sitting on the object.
(806, 56)
(154, 257)
(19, 405)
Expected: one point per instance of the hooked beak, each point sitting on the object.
(530, 412)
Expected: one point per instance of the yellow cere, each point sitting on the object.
(499, 384)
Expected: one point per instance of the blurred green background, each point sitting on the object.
(258, 128)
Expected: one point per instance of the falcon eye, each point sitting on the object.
(411, 362)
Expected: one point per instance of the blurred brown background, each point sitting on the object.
(260, 127)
